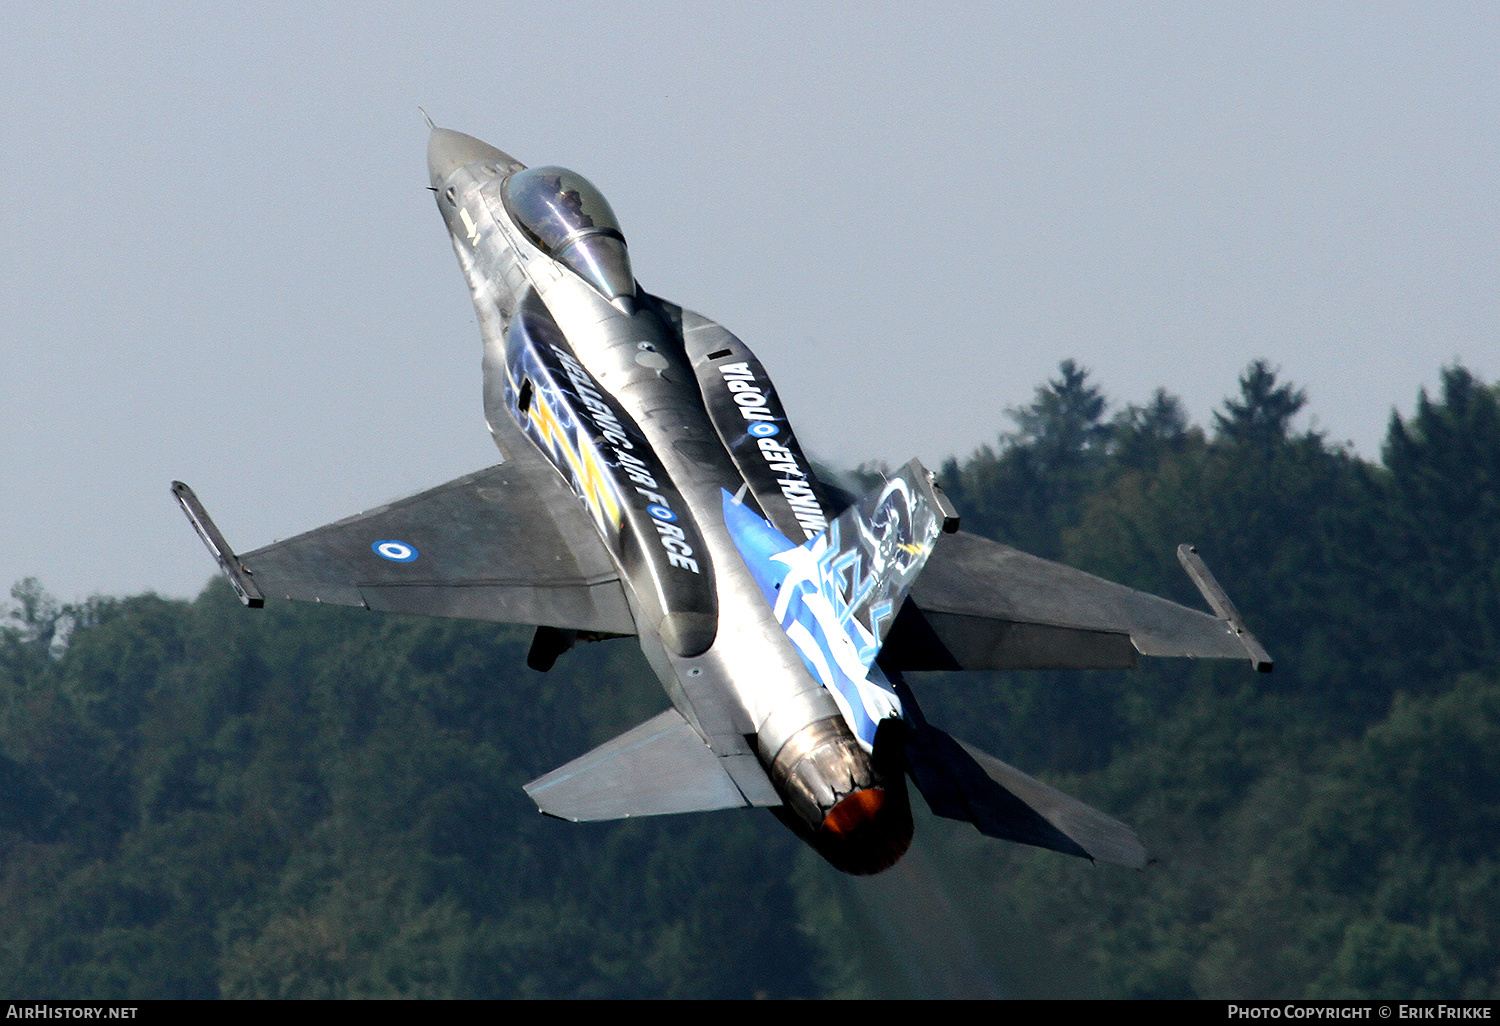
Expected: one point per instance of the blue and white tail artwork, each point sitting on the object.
(837, 595)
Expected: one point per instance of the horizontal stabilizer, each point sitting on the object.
(658, 768)
(961, 782)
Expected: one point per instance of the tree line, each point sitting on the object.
(197, 801)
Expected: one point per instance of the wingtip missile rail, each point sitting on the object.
(239, 577)
(1218, 600)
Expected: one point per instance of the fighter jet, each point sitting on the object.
(651, 486)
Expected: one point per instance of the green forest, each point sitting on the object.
(197, 800)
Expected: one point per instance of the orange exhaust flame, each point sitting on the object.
(854, 811)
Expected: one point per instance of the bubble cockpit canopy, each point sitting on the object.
(571, 222)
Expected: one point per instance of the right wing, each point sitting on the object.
(510, 544)
(980, 605)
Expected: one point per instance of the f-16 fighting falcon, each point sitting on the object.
(652, 486)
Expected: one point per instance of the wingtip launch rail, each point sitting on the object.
(1218, 600)
(239, 577)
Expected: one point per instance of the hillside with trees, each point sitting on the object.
(198, 800)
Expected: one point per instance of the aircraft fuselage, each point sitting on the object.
(652, 416)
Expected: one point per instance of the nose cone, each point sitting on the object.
(447, 151)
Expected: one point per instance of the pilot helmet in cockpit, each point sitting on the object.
(570, 220)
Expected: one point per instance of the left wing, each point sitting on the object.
(510, 544)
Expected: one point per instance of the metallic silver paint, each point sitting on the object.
(751, 680)
(819, 766)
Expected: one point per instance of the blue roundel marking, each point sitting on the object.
(395, 551)
(763, 429)
(661, 512)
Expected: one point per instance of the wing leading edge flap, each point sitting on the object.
(510, 544)
(961, 782)
(658, 768)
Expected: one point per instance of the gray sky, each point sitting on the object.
(222, 264)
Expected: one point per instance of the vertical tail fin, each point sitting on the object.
(837, 595)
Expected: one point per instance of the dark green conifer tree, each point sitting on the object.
(1026, 492)
(1261, 418)
(1440, 546)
